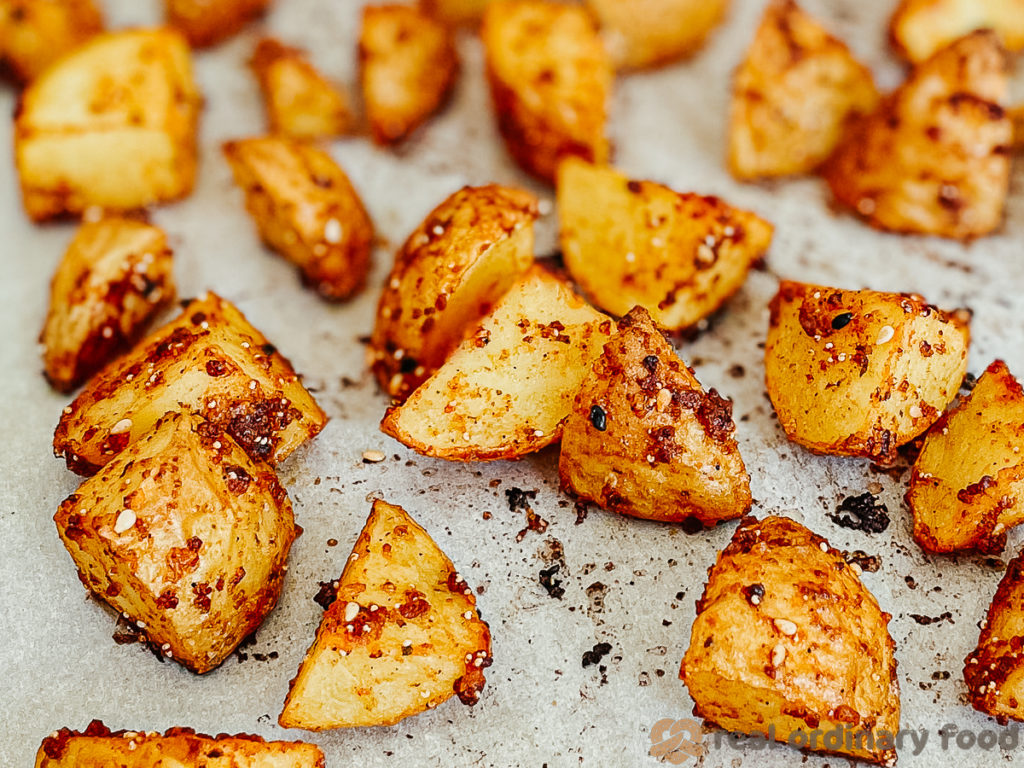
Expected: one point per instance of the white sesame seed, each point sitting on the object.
(915, 412)
(467, 615)
(823, 547)
(885, 335)
(425, 694)
(351, 611)
(630, 257)
(778, 655)
(374, 456)
(785, 626)
(332, 231)
(438, 230)
(407, 643)
(125, 521)
(544, 207)
(755, 600)
(538, 433)
(124, 425)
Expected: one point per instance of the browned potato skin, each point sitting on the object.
(408, 66)
(655, 432)
(295, 191)
(98, 745)
(967, 486)
(35, 33)
(745, 672)
(934, 158)
(203, 565)
(870, 386)
(115, 276)
(456, 13)
(449, 273)
(402, 636)
(551, 80)
(793, 96)
(689, 253)
(208, 22)
(919, 28)
(210, 360)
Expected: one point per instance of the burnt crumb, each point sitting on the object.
(862, 513)
(550, 583)
(237, 479)
(247, 642)
(924, 621)
(864, 561)
(911, 581)
(598, 652)
(518, 499)
(737, 371)
(941, 675)
(364, 340)
(598, 418)
(347, 382)
(582, 508)
(126, 632)
(596, 593)
(754, 593)
(969, 383)
(327, 595)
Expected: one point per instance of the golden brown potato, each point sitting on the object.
(408, 65)
(207, 22)
(508, 388)
(680, 256)
(645, 33)
(919, 28)
(209, 360)
(448, 274)
(403, 634)
(115, 276)
(933, 159)
(111, 125)
(860, 373)
(35, 33)
(967, 486)
(793, 95)
(786, 636)
(645, 439)
(178, 747)
(456, 13)
(184, 535)
(307, 210)
(300, 102)
(551, 81)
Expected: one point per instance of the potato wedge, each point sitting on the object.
(209, 360)
(967, 486)
(551, 81)
(35, 33)
(184, 535)
(860, 373)
(644, 439)
(208, 22)
(919, 28)
(402, 636)
(786, 635)
(111, 125)
(464, 256)
(408, 66)
(307, 210)
(115, 276)
(678, 255)
(647, 33)
(933, 159)
(179, 747)
(456, 13)
(793, 96)
(508, 388)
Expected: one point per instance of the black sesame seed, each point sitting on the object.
(841, 321)
(598, 418)
(650, 363)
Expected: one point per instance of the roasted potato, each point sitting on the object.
(967, 486)
(933, 159)
(1017, 116)
(793, 95)
(645, 33)
(680, 256)
(408, 65)
(508, 388)
(645, 439)
(207, 22)
(209, 360)
(111, 125)
(456, 13)
(994, 671)
(403, 634)
(184, 535)
(35, 33)
(307, 210)
(448, 274)
(551, 81)
(919, 28)
(178, 747)
(786, 636)
(115, 276)
(860, 373)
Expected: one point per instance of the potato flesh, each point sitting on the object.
(208, 22)
(920, 27)
(35, 33)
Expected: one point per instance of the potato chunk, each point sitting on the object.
(207, 22)
(449, 273)
(678, 255)
(184, 535)
(793, 95)
(786, 635)
(967, 487)
(209, 360)
(507, 389)
(860, 373)
(919, 28)
(456, 13)
(403, 634)
(307, 210)
(550, 79)
(645, 439)
(35, 33)
(115, 276)
(408, 66)
(933, 159)
(178, 747)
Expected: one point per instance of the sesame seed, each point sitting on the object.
(538, 433)
(544, 207)
(823, 547)
(372, 457)
(332, 231)
(467, 615)
(425, 694)
(915, 412)
(785, 626)
(885, 335)
(630, 257)
(778, 655)
(124, 425)
(407, 643)
(438, 230)
(351, 611)
(125, 521)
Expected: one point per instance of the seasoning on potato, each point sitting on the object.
(919, 28)
(35, 33)
(208, 22)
